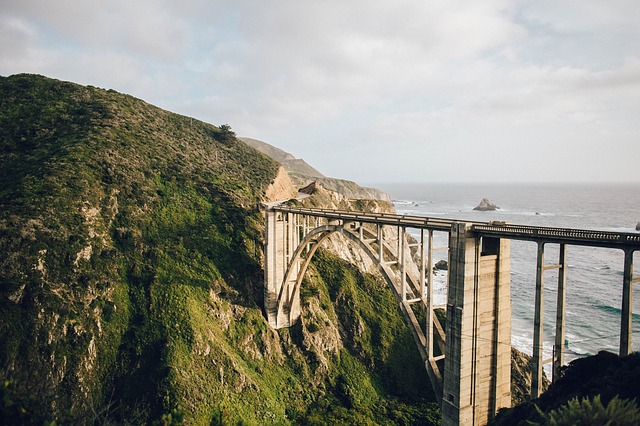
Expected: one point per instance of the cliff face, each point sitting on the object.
(290, 163)
(303, 174)
(281, 188)
(345, 187)
(131, 279)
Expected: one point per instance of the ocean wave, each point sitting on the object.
(575, 350)
(616, 311)
(522, 343)
(521, 212)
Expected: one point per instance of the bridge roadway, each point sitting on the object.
(569, 236)
(478, 262)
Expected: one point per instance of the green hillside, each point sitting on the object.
(290, 163)
(131, 280)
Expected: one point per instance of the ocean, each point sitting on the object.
(594, 275)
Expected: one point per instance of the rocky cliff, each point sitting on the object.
(290, 163)
(303, 174)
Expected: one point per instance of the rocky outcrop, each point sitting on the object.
(345, 187)
(442, 265)
(290, 163)
(606, 375)
(521, 377)
(486, 205)
(302, 174)
(281, 188)
(309, 189)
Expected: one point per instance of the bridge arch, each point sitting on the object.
(303, 255)
(291, 242)
(478, 296)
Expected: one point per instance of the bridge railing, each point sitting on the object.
(419, 222)
(562, 235)
(595, 238)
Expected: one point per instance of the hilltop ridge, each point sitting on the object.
(302, 174)
(290, 163)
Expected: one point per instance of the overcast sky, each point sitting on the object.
(373, 91)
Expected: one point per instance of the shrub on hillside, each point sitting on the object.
(619, 412)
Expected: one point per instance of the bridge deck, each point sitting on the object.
(585, 237)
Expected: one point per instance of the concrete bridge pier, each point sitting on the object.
(284, 237)
(477, 372)
(627, 306)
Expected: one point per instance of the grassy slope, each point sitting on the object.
(132, 213)
(380, 378)
(130, 278)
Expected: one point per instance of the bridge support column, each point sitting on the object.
(627, 294)
(558, 351)
(477, 378)
(537, 360)
(403, 262)
(380, 245)
(280, 241)
(538, 326)
(274, 265)
(426, 274)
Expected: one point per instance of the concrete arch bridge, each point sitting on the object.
(468, 362)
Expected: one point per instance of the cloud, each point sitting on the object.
(308, 62)
(377, 79)
(584, 15)
(20, 49)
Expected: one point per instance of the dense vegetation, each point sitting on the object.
(131, 280)
(597, 390)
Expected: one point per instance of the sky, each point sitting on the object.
(371, 91)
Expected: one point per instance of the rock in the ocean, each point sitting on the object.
(486, 205)
(441, 265)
